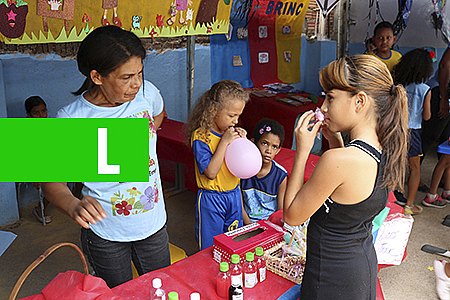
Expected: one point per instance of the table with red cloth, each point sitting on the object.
(197, 273)
(268, 107)
(173, 151)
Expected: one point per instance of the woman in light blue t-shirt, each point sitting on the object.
(121, 221)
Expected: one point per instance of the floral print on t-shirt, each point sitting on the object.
(133, 201)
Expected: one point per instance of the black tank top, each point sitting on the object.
(341, 261)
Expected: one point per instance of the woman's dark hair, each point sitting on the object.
(416, 66)
(33, 101)
(104, 50)
(268, 126)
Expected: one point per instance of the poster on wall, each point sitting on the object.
(274, 33)
(60, 21)
(230, 56)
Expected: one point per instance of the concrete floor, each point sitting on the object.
(411, 280)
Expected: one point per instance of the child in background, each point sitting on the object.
(36, 107)
(413, 70)
(263, 194)
(383, 40)
(211, 128)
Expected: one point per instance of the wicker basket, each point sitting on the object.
(40, 259)
(291, 267)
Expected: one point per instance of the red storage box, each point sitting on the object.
(244, 239)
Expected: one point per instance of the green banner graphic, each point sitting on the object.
(74, 150)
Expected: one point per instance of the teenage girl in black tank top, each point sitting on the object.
(349, 185)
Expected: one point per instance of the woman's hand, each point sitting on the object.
(87, 211)
(306, 131)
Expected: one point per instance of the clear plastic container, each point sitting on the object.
(157, 292)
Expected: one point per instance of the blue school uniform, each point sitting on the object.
(260, 194)
(218, 208)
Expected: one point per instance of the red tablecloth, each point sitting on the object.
(268, 107)
(198, 273)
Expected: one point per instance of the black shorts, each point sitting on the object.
(415, 143)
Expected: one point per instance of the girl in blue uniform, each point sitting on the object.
(263, 194)
(211, 129)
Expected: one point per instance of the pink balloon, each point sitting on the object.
(243, 158)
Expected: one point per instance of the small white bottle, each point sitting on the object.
(194, 296)
(157, 291)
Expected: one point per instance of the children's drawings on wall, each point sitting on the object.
(46, 21)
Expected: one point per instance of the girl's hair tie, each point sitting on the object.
(265, 128)
(392, 91)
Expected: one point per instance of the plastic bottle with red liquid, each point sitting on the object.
(260, 263)
(250, 271)
(223, 280)
(235, 267)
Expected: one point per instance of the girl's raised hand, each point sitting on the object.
(230, 135)
(306, 131)
(241, 131)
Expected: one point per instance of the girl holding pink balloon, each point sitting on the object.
(263, 194)
(211, 128)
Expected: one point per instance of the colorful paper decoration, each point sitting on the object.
(224, 53)
(39, 21)
(261, 39)
(288, 32)
(281, 40)
(274, 41)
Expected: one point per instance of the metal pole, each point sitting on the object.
(190, 70)
(343, 28)
(339, 13)
(348, 23)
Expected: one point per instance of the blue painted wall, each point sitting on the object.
(10, 211)
(314, 56)
(54, 78)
